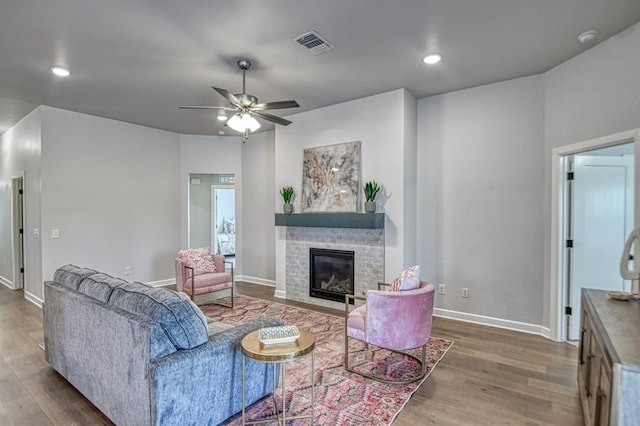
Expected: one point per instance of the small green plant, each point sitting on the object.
(371, 190)
(287, 194)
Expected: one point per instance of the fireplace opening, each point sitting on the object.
(332, 274)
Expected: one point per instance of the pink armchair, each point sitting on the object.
(188, 282)
(393, 320)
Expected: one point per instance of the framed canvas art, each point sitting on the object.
(331, 178)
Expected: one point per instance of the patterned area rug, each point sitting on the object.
(341, 398)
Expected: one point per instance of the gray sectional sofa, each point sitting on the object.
(142, 355)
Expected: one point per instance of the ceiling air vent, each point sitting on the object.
(313, 42)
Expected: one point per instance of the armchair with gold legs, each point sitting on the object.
(394, 320)
(193, 282)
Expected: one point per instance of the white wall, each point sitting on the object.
(383, 124)
(20, 149)
(210, 155)
(258, 160)
(111, 189)
(480, 194)
(595, 94)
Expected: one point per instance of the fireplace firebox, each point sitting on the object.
(331, 274)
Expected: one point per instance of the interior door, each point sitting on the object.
(602, 217)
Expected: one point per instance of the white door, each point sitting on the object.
(602, 217)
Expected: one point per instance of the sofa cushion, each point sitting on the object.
(99, 286)
(179, 317)
(70, 276)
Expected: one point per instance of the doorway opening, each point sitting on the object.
(18, 232)
(212, 213)
(223, 220)
(593, 208)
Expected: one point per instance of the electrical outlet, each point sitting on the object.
(441, 289)
(127, 270)
(55, 233)
(465, 292)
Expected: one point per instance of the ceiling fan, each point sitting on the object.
(246, 106)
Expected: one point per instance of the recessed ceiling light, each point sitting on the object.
(221, 132)
(60, 71)
(587, 36)
(222, 116)
(432, 58)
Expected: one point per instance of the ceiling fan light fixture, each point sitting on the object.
(235, 122)
(242, 122)
(250, 122)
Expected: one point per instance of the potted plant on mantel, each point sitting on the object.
(287, 195)
(370, 191)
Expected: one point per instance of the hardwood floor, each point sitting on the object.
(489, 377)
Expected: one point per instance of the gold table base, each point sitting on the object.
(281, 354)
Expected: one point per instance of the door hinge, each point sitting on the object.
(567, 310)
(22, 270)
(569, 243)
(569, 175)
(21, 231)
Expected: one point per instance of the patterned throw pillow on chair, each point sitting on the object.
(409, 279)
(199, 259)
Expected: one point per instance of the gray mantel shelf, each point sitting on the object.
(332, 220)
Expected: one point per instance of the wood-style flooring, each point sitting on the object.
(489, 377)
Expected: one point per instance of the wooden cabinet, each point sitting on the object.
(609, 363)
(593, 368)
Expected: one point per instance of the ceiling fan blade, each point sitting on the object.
(276, 105)
(272, 118)
(228, 95)
(205, 107)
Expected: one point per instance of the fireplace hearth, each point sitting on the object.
(331, 273)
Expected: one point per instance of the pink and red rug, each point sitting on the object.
(341, 398)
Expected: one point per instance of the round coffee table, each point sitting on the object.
(278, 353)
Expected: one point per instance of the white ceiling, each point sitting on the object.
(138, 60)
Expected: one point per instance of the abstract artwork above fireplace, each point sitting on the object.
(331, 178)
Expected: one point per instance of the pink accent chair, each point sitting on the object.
(392, 320)
(188, 282)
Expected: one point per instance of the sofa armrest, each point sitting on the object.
(204, 385)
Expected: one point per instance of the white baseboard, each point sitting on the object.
(162, 283)
(255, 280)
(493, 322)
(280, 293)
(33, 299)
(5, 282)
